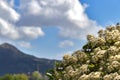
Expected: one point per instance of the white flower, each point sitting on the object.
(95, 75)
(111, 76)
(84, 68)
(117, 44)
(66, 76)
(110, 68)
(68, 68)
(73, 59)
(84, 77)
(112, 36)
(117, 58)
(97, 49)
(107, 77)
(114, 58)
(113, 50)
(91, 38)
(66, 57)
(71, 73)
(111, 28)
(81, 56)
(115, 64)
(101, 54)
(101, 33)
(95, 59)
(101, 41)
(117, 77)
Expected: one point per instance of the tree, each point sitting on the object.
(36, 75)
(20, 77)
(98, 60)
(7, 77)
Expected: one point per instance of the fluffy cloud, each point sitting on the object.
(9, 31)
(8, 17)
(7, 12)
(30, 32)
(67, 15)
(66, 43)
(24, 44)
(27, 21)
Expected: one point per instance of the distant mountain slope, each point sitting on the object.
(13, 60)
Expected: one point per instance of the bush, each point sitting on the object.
(98, 60)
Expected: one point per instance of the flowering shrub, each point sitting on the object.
(98, 60)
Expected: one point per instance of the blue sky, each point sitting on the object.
(104, 12)
(50, 29)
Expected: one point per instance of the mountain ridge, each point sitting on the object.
(12, 60)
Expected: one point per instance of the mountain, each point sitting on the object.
(13, 61)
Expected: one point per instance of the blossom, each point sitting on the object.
(84, 77)
(94, 59)
(101, 33)
(115, 64)
(68, 68)
(113, 50)
(81, 56)
(102, 62)
(107, 77)
(117, 44)
(73, 59)
(84, 68)
(66, 57)
(101, 41)
(101, 54)
(97, 49)
(114, 58)
(95, 75)
(117, 77)
(91, 38)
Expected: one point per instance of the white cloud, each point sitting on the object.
(7, 12)
(66, 43)
(9, 31)
(26, 23)
(30, 32)
(67, 15)
(24, 44)
(34, 6)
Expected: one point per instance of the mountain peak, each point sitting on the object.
(12, 61)
(8, 46)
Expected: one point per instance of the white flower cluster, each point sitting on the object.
(113, 50)
(91, 76)
(112, 36)
(113, 66)
(84, 69)
(102, 62)
(96, 41)
(114, 58)
(112, 76)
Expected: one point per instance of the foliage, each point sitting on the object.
(98, 60)
(20, 77)
(7, 77)
(36, 75)
(14, 77)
